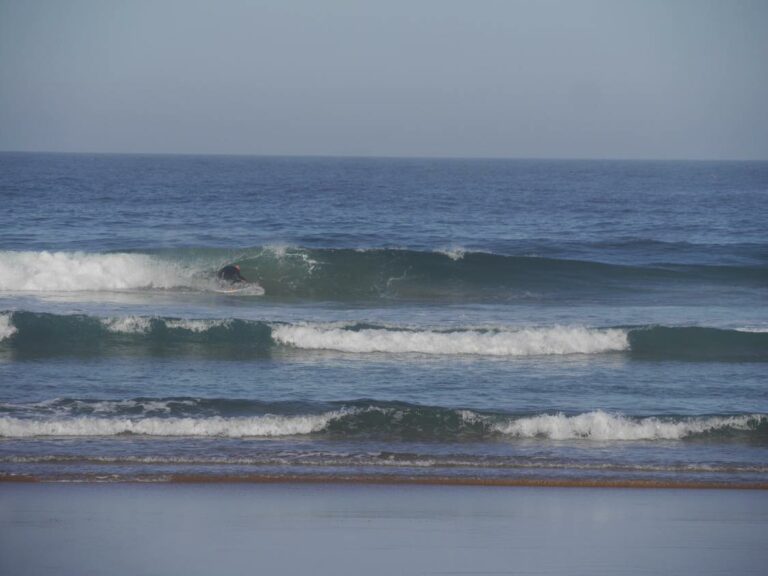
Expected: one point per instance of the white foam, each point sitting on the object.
(80, 271)
(113, 406)
(127, 324)
(7, 329)
(64, 407)
(523, 342)
(291, 253)
(257, 426)
(599, 425)
(142, 325)
(197, 326)
(454, 253)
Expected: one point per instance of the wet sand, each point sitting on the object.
(290, 528)
(395, 480)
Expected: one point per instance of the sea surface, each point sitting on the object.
(508, 321)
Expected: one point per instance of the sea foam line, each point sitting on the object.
(599, 425)
(523, 342)
(589, 426)
(243, 427)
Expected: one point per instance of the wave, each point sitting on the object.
(259, 426)
(31, 334)
(600, 425)
(522, 342)
(7, 329)
(79, 271)
(698, 343)
(41, 334)
(344, 274)
(359, 419)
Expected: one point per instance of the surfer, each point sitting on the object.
(231, 274)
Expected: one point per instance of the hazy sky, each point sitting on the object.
(576, 79)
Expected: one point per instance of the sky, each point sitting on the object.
(666, 79)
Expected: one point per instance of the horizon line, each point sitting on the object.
(382, 156)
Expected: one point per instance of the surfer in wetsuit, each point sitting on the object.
(231, 274)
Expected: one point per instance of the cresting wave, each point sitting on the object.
(523, 342)
(41, 334)
(7, 329)
(80, 271)
(258, 426)
(345, 274)
(361, 420)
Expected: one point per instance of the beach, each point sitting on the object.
(365, 288)
(447, 371)
(284, 528)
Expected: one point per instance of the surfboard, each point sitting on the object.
(249, 289)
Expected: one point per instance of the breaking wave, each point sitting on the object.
(80, 271)
(346, 274)
(523, 342)
(7, 329)
(603, 426)
(40, 334)
(358, 419)
(257, 426)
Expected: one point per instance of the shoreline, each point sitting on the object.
(382, 480)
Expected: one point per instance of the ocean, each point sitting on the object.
(423, 320)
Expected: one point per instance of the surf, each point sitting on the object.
(31, 334)
(358, 274)
(358, 420)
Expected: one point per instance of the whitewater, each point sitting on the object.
(596, 426)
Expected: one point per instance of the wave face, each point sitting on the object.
(345, 274)
(40, 334)
(699, 343)
(361, 419)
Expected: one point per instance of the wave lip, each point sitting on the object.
(257, 426)
(602, 426)
(7, 329)
(81, 271)
(523, 342)
(127, 324)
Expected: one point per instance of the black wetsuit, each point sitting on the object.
(230, 274)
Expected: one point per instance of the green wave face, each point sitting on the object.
(698, 343)
(31, 334)
(345, 274)
(358, 420)
(387, 273)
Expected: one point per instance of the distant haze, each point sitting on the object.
(508, 78)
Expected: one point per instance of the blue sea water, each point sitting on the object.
(471, 319)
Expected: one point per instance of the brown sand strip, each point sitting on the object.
(400, 480)
(17, 478)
